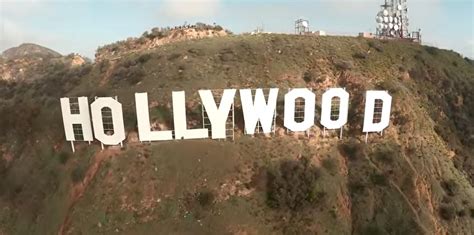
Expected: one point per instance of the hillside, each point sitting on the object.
(157, 37)
(29, 50)
(416, 179)
(28, 62)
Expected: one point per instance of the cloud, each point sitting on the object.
(470, 48)
(190, 8)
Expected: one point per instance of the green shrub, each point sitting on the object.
(133, 74)
(450, 187)
(379, 179)
(352, 149)
(374, 229)
(447, 212)
(386, 152)
(432, 50)
(344, 65)
(360, 55)
(356, 187)
(376, 46)
(469, 61)
(143, 58)
(330, 164)
(308, 76)
(461, 213)
(293, 185)
(3, 165)
(78, 174)
(174, 56)
(205, 198)
(63, 157)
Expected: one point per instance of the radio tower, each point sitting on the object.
(392, 20)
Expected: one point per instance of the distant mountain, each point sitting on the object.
(29, 49)
(30, 62)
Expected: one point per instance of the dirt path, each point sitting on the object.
(78, 189)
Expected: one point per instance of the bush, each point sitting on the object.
(3, 165)
(352, 149)
(360, 55)
(143, 58)
(387, 152)
(308, 76)
(450, 187)
(379, 179)
(63, 157)
(432, 50)
(343, 65)
(376, 46)
(461, 213)
(132, 74)
(374, 230)
(469, 61)
(174, 56)
(78, 174)
(293, 185)
(447, 212)
(330, 164)
(205, 198)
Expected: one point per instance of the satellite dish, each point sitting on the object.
(398, 14)
(395, 20)
(390, 19)
(305, 24)
(400, 7)
(390, 25)
(385, 19)
(379, 19)
(385, 12)
(396, 27)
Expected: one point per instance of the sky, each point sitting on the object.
(80, 26)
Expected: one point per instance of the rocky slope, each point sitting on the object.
(29, 50)
(416, 179)
(157, 37)
(29, 62)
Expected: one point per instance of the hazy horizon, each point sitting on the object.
(82, 26)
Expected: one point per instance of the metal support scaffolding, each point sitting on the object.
(258, 128)
(230, 122)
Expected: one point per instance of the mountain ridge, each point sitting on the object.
(28, 50)
(415, 179)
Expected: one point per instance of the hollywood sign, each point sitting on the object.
(81, 120)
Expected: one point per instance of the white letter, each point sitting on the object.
(143, 120)
(217, 116)
(117, 119)
(370, 97)
(81, 118)
(258, 110)
(179, 116)
(309, 103)
(326, 108)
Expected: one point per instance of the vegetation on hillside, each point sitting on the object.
(415, 179)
